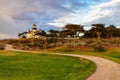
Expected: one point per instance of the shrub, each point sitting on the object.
(41, 46)
(12, 41)
(67, 50)
(99, 48)
(52, 45)
(51, 40)
(24, 47)
(2, 46)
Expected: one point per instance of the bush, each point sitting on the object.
(12, 41)
(99, 48)
(2, 46)
(51, 40)
(67, 50)
(24, 47)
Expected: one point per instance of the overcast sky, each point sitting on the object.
(18, 15)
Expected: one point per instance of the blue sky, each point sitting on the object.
(19, 15)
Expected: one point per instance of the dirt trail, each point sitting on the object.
(106, 69)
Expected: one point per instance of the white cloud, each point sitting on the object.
(97, 13)
(107, 13)
(60, 22)
(9, 27)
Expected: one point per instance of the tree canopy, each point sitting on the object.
(73, 30)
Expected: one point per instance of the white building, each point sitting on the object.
(32, 33)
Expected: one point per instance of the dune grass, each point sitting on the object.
(27, 66)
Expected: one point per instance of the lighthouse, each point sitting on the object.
(34, 28)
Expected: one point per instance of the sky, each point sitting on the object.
(19, 15)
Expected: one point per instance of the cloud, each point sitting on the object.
(107, 13)
(37, 9)
(8, 26)
(18, 8)
(34, 11)
(82, 16)
(60, 22)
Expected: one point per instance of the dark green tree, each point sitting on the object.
(41, 32)
(111, 31)
(98, 29)
(72, 29)
(19, 35)
(54, 33)
(22, 35)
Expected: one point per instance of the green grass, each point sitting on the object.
(27, 66)
(112, 54)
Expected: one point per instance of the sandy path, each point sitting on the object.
(106, 69)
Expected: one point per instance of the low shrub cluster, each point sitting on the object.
(99, 48)
(98, 45)
(35, 43)
(2, 46)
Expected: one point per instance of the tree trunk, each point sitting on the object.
(98, 35)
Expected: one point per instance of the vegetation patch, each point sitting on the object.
(2, 46)
(99, 48)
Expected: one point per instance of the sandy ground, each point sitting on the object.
(106, 69)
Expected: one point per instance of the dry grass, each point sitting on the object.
(7, 53)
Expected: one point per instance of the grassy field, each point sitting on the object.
(27, 66)
(111, 53)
